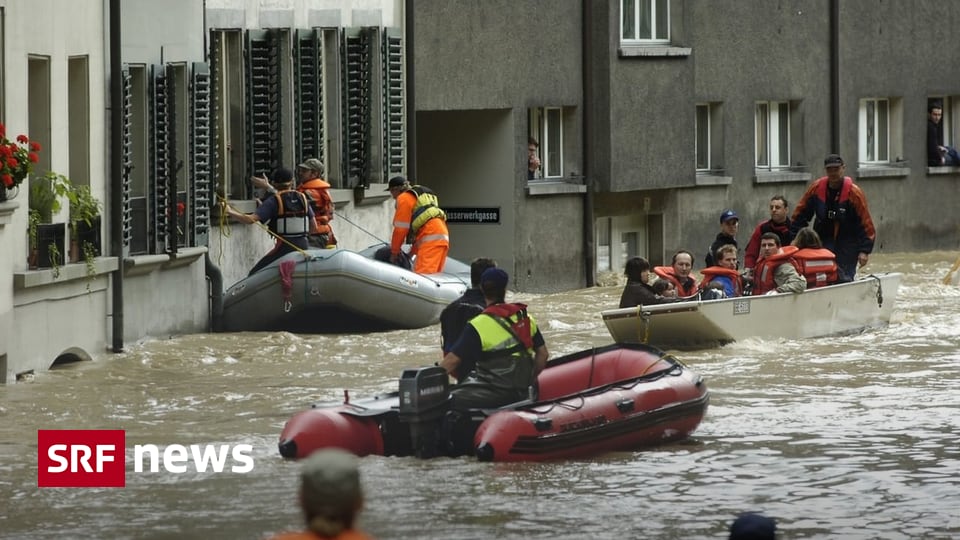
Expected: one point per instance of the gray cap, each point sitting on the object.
(330, 481)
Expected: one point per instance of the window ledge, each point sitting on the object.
(6, 212)
(711, 179)
(139, 265)
(68, 272)
(635, 50)
(554, 186)
(371, 195)
(930, 171)
(780, 177)
(883, 171)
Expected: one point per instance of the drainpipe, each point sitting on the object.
(408, 17)
(116, 172)
(835, 76)
(216, 292)
(586, 66)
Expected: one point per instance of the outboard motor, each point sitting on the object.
(424, 400)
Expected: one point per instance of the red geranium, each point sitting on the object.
(16, 158)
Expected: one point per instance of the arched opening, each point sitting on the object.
(70, 356)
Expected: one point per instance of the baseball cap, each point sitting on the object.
(751, 526)
(281, 176)
(727, 215)
(312, 164)
(495, 276)
(396, 181)
(330, 479)
(832, 160)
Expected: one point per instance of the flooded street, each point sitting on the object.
(852, 437)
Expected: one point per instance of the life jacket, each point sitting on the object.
(818, 266)
(317, 191)
(291, 220)
(763, 274)
(712, 272)
(426, 208)
(837, 207)
(506, 337)
(667, 273)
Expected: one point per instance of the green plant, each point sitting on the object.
(89, 255)
(45, 194)
(33, 223)
(16, 158)
(54, 259)
(83, 205)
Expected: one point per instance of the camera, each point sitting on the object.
(835, 214)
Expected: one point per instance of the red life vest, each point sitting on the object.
(818, 266)
(712, 272)
(317, 191)
(763, 274)
(519, 327)
(667, 273)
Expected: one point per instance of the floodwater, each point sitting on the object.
(851, 437)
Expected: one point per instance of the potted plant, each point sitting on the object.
(16, 161)
(46, 238)
(84, 224)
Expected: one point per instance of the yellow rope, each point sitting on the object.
(949, 276)
(224, 205)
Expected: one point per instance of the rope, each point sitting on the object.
(375, 237)
(263, 226)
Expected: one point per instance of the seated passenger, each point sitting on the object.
(679, 273)
(637, 291)
(775, 271)
(664, 288)
(724, 275)
(815, 263)
(504, 344)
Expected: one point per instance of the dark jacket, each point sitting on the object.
(454, 318)
(934, 142)
(637, 293)
(721, 240)
(752, 252)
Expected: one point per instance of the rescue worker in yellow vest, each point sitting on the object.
(288, 215)
(504, 344)
(420, 220)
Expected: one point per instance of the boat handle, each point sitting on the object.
(286, 306)
(625, 405)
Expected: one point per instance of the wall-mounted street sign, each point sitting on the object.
(472, 215)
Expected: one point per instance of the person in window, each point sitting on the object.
(419, 218)
(842, 217)
(638, 291)
(938, 155)
(533, 160)
(288, 216)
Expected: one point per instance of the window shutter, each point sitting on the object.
(264, 144)
(393, 112)
(202, 154)
(126, 160)
(161, 158)
(308, 65)
(356, 106)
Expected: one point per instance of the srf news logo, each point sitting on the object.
(96, 458)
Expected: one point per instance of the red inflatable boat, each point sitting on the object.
(619, 397)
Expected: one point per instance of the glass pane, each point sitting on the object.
(603, 243)
(628, 18)
(645, 28)
(871, 131)
(554, 143)
(663, 20)
(763, 118)
(783, 134)
(883, 129)
(628, 245)
(703, 137)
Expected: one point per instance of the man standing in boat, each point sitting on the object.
(454, 317)
(419, 217)
(288, 216)
(505, 345)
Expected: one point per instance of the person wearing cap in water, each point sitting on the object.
(330, 496)
(842, 217)
(419, 219)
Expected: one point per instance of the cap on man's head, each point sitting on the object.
(751, 526)
(832, 160)
(727, 215)
(497, 277)
(281, 176)
(312, 164)
(395, 182)
(330, 478)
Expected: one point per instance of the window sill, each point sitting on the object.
(780, 177)
(68, 272)
(659, 51)
(6, 212)
(140, 265)
(931, 171)
(883, 171)
(712, 179)
(556, 186)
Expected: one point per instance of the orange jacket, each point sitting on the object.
(349, 534)
(763, 274)
(431, 231)
(817, 266)
(683, 290)
(317, 191)
(711, 272)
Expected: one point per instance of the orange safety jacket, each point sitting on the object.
(763, 274)
(317, 191)
(712, 272)
(817, 266)
(683, 290)
(432, 230)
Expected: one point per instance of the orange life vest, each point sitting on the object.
(712, 272)
(317, 191)
(763, 274)
(817, 266)
(667, 273)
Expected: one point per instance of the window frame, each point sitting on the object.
(702, 130)
(651, 8)
(550, 148)
(776, 134)
(866, 118)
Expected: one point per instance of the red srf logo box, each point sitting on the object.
(81, 458)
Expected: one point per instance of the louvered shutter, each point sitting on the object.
(264, 144)
(356, 106)
(308, 67)
(393, 110)
(126, 160)
(202, 154)
(161, 159)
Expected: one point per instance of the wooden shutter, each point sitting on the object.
(161, 158)
(393, 111)
(356, 62)
(202, 155)
(126, 160)
(308, 74)
(264, 143)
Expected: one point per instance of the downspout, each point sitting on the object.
(216, 292)
(586, 65)
(834, 76)
(116, 172)
(408, 17)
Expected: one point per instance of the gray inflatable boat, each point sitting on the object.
(337, 291)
